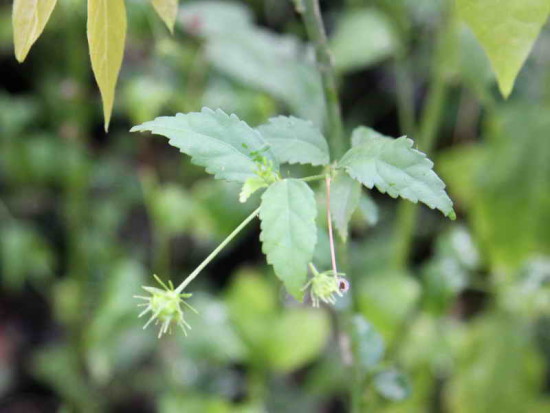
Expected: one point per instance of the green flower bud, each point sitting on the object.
(325, 286)
(165, 306)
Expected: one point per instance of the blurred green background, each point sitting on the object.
(448, 316)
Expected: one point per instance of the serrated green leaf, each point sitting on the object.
(289, 234)
(250, 186)
(294, 140)
(394, 167)
(29, 17)
(345, 194)
(507, 30)
(167, 11)
(223, 144)
(363, 134)
(106, 36)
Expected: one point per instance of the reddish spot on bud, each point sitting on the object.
(343, 285)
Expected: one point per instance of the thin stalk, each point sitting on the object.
(315, 29)
(329, 223)
(313, 178)
(213, 254)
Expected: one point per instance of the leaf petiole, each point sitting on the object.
(313, 178)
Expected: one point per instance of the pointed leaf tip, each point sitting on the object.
(507, 30)
(167, 11)
(225, 145)
(29, 17)
(395, 168)
(106, 30)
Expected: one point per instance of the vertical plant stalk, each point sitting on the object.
(330, 235)
(315, 29)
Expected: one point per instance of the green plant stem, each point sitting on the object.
(429, 127)
(216, 251)
(315, 29)
(313, 178)
(335, 133)
(330, 234)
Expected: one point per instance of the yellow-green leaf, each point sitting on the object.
(507, 30)
(168, 11)
(106, 36)
(29, 17)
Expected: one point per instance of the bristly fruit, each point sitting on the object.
(165, 307)
(325, 286)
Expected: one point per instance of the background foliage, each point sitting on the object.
(447, 316)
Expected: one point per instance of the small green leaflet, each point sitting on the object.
(394, 167)
(345, 194)
(289, 233)
(223, 144)
(250, 186)
(507, 30)
(296, 140)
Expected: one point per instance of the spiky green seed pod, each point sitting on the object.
(165, 306)
(325, 286)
